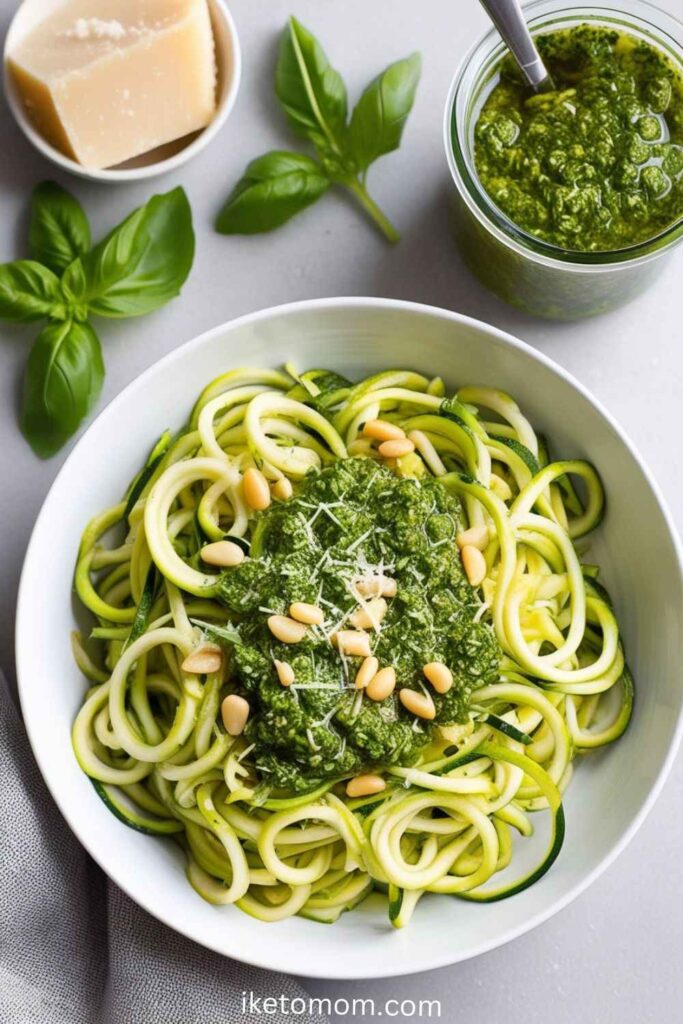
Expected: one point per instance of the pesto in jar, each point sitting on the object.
(597, 164)
(354, 521)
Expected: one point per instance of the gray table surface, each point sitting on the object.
(614, 955)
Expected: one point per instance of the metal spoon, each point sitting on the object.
(507, 16)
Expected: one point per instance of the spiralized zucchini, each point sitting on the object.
(151, 736)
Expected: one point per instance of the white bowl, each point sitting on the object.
(157, 161)
(638, 550)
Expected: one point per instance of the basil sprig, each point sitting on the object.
(137, 268)
(278, 185)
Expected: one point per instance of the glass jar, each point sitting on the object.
(527, 272)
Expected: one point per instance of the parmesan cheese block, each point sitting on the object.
(107, 80)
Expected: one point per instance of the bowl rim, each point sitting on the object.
(356, 303)
(125, 175)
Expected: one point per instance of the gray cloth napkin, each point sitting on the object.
(74, 949)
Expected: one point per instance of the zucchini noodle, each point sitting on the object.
(153, 733)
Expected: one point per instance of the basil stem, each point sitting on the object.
(358, 189)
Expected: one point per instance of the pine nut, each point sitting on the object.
(256, 489)
(285, 672)
(370, 615)
(395, 449)
(282, 489)
(474, 565)
(476, 537)
(308, 613)
(365, 785)
(382, 685)
(376, 586)
(222, 553)
(234, 712)
(353, 643)
(439, 675)
(417, 703)
(366, 672)
(382, 430)
(288, 631)
(203, 660)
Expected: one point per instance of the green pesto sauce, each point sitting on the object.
(350, 520)
(597, 164)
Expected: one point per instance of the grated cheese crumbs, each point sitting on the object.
(96, 28)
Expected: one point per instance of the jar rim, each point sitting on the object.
(462, 167)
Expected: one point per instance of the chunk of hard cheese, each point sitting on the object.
(107, 80)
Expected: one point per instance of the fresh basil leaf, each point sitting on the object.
(59, 231)
(311, 91)
(274, 187)
(141, 265)
(380, 115)
(64, 377)
(29, 291)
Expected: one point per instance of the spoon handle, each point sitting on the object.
(507, 16)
